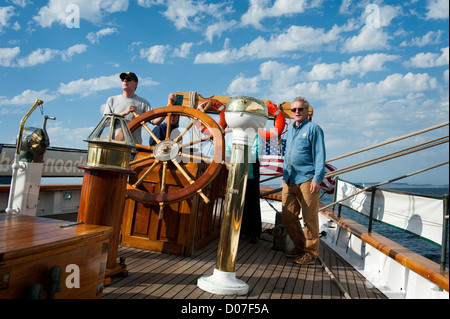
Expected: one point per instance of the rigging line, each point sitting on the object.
(383, 183)
(333, 278)
(270, 178)
(370, 162)
(398, 152)
(389, 141)
(270, 204)
(387, 157)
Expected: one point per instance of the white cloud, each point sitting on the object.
(94, 37)
(194, 15)
(21, 3)
(208, 18)
(87, 87)
(342, 93)
(75, 49)
(8, 55)
(260, 9)
(84, 87)
(28, 97)
(90, 10)
(355, 65)
(437, 9)
(323, 71)
(241, 85)
(217, 29)
(184, 14)
(268, 82)
(183, 51)
(39, 56)
(149, 3)
(397, 84)
(5, 14)
(222, 56)
(159, 53)
(296, 38)
(62, 135)
(155, 54)
(368, 39)
(428, 60)
(432, 37)
(387, 14)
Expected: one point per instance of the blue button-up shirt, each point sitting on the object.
(305, 154)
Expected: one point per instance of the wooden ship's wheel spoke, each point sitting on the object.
(143, 159)
(145, 126)
(168, 152)
(163, 189)
(179, 137)
(190, 180)
(148, 171)
(195, 158)
(169, 125)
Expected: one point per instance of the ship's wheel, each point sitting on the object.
(170, 153)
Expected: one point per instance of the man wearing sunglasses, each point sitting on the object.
(128, 102)
(304, 169)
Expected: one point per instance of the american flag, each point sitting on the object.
(273, 158)
(328, 184)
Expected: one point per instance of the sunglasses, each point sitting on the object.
(127, 79)
(299, 109)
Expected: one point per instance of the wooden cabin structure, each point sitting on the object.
(185, 226)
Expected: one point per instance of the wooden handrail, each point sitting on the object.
(413, 261)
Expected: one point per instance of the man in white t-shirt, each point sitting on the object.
(128, 102)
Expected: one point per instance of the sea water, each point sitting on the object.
(411, 241)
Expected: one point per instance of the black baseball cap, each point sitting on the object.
(130, 75)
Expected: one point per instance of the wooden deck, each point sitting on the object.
(269, 274)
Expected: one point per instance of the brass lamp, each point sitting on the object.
(110, 143)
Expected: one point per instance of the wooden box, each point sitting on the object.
(31, 246)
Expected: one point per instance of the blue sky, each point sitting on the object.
(373, 70)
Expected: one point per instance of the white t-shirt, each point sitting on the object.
(119, 103)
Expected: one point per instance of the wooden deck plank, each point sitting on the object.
(176, 278)
(282, 271)
(153, 277)
(330, 261)
(290, 282)
(269, 274)
(139, 271)
(256, 268)
(272, 278)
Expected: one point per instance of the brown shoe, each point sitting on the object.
(294, 253)
(305, 260)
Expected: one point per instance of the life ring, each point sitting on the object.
(279, 122)
(218, 107)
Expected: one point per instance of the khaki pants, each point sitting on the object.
(295, 197)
